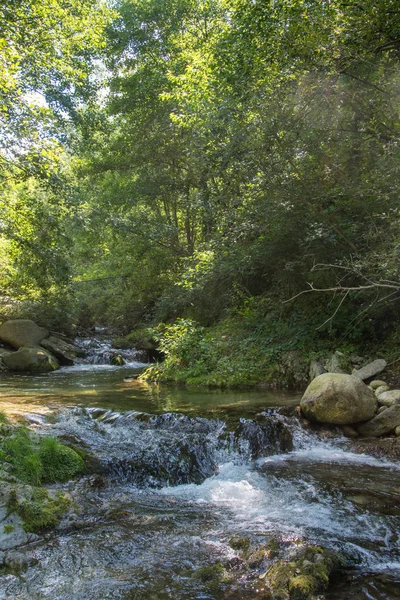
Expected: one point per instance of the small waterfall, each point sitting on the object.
(171, 448)
(101, 352)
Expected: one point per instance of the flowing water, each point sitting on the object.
(180, 472)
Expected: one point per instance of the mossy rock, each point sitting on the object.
(338, 399)
(59, 462)
(302, 587)
(304, 576)
(38, 510)
(117, 360)
(240, 543)
(31, 359)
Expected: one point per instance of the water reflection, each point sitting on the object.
(105, 386)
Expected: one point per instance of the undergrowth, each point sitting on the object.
(249, 346)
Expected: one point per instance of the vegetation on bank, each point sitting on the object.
(227, 169)
(26, 463)
(258, 344)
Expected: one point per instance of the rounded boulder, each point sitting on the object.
(31, 359)
(22, 332)
(338, 399)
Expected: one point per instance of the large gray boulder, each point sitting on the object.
(65, 352)
(371, 369)
(22, 332)
(31, 359)
(384, 423)
(339, 399)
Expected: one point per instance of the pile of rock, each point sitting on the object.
(30, 348)
(341, 399)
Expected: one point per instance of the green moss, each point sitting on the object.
(3, 418)
(91, 464)
(18, 450)
(59, 463)
(258, 557)
(303, 577)
(302, 587)
(209, 573)
(40, 510)
(273, 547)
(240, 543)
(212, 576)
(279, 577)
(117, 360)
(8, 529)
(34, 461)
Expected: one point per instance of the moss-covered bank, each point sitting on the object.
(27, 463)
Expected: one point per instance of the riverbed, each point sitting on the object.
(187, 470)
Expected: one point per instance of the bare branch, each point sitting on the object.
(339, 288)
(335, 313)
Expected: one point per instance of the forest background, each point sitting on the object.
(192, 174)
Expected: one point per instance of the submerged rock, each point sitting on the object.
(304, 576)
(388, 447)
(22, 332)
(384, 423)
(31, 359)
(372, 369)
(338, 399)
(264, 438)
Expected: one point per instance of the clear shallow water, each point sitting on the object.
(132, 537)
(104, 385)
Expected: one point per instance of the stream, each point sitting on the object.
(183, 471)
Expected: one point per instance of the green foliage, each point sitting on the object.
(34, 461)
(234, 154)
